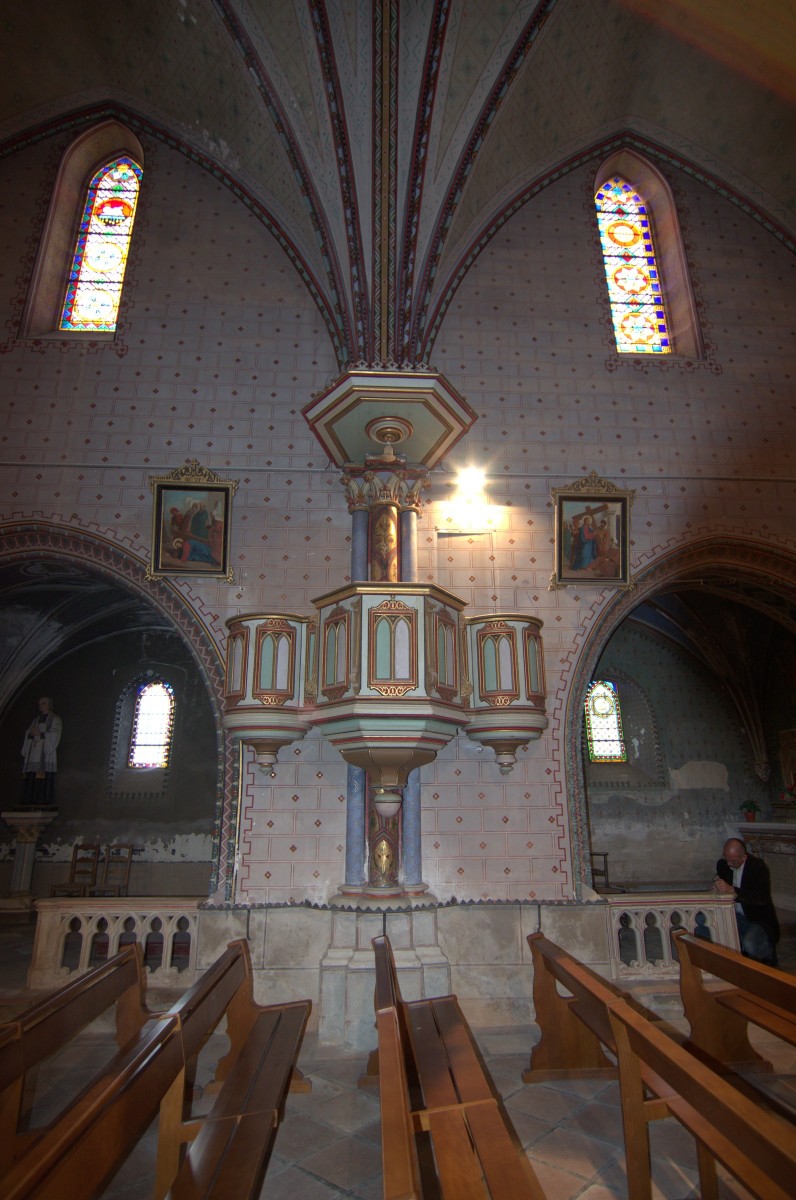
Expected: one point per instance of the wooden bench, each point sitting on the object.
(230, 1148)
(719, 1019)
(441, 1117)
(81, 1150)
(758, 1147)
(574, 1029)
(52, 1023)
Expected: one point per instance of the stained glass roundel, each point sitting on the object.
(631, 271)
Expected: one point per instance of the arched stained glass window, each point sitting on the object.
(604, 723)
(631, 270)
(94, 289)
(153, 722)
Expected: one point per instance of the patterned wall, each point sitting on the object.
(221, 346)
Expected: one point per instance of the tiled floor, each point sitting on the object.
(328, 1145)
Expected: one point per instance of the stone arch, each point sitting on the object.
(718, 563)
(27, 543)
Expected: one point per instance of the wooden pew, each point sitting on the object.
(758, 1147)
(441, 1116)
(574, 1029)
(52, 1023)
(230, 1148)
(719, 1019)
(76, 1156)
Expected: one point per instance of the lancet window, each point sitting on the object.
(96, 276)
(604, 723)
(632, 273)
(153, 725)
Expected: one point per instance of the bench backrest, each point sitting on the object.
(388, 992)
(81, 1152)
(766, 983)
(47, 1026)
(224, 988)
(400, 1168)
(757, 1146)
(593, 995)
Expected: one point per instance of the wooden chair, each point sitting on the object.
(115, 875)
(82, 873)
(601, 872)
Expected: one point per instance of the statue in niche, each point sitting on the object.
(39, 761)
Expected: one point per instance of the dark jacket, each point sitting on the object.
(754, 893)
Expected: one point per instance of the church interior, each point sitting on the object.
(397, 398)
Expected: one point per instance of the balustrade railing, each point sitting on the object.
(639, 928)
(73, 935)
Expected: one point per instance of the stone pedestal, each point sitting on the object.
(348, 976)
(27, 824)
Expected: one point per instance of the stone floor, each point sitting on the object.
(328, 1145)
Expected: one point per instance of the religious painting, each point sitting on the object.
(191, 517)
(592, 534)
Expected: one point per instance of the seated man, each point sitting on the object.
(746, 877)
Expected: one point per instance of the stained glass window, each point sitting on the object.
(153, 722)
(95, 281)
(634, 285)
(604, 723)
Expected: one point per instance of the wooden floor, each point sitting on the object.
(328, 1146)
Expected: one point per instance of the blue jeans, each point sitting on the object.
(755, 941)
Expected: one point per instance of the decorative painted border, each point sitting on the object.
(258, 73)
(428, 92)
(362, 337)
(515, 60)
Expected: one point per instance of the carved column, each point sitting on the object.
(388, 494)
(27, 825)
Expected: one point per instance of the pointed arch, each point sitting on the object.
(32, 543)
(652, 301)
(730, 561)
(84, 165)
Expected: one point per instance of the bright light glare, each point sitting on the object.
(470, 482)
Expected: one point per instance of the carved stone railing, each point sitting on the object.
(639, 928)
(73, 935)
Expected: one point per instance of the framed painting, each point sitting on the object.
(592, 534)
(191, 518)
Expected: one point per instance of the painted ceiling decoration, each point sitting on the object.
(384, 142)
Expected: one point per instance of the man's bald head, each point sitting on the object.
(734, 852)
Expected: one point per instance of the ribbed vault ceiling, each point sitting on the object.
(483, 99)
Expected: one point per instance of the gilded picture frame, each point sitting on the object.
(191, 520)
(592, 534)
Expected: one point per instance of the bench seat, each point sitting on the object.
(444, 1129)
